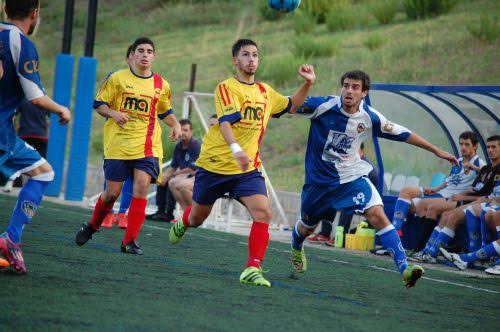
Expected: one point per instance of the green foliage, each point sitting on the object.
(304, 23)
(268, 13)
(341, 18)
(420, 9)
(96, 143)
(486, 30)
(282, 70)
(384, 11)
(307, 47)
(374, 41)
(320, 8)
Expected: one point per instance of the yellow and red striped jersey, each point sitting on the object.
(248, 108)
(144, 99)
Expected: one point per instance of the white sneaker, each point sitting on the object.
(8, 186)
(493, 270)
(454, 258)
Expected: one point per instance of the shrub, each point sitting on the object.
(304, 23)
(486, 30)
(342, 18)
(385, 10)
(374, 41)
(307, 47)
(282, 70)
(320, 8)
(419, 9)
(268, 13)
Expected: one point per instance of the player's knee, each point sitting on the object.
(45, 176)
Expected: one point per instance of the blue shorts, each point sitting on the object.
(23, 158)
(120, 170)
(320, 202)
(209, 186)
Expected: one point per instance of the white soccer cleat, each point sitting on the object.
(495, 270)
(454, 258)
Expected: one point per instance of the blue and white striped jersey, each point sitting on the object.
(20, 79)
(335, 136)
(461, 178)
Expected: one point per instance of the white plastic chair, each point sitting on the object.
(412, 181)
(397, 184)
(387, 180)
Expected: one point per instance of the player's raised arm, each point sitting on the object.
(416, 140)
(307, 73)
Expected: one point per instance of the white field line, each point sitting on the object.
(287, 251)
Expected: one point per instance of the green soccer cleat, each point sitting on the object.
(411, 274)
(253, 275)
(177, 232)
(299, 260)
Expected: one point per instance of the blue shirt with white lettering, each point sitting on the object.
(20, 79)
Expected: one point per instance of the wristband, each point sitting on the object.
(235, 148)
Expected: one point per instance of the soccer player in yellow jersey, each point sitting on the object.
(229, 157)
(132, 100)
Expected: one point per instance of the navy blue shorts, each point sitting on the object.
(209, 186)
(120, 170)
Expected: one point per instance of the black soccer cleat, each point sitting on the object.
(131, 248)
(84, 234)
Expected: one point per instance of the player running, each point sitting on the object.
(336, 177)
(20, 79)
(229, 158)
(132, 99)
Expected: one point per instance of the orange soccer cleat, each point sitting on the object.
(108, 220)
(122, 220)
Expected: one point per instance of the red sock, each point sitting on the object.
(136, 215)
(101, 210)
(257, 243)
(185, 216)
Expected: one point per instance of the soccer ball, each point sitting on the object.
(284, 5)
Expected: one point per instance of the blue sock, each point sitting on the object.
(473, 230)
(297, 239)
(492, 249)
(400, 212)
(127, 191)
(485, 232)
(27, 203)
(391, 241)
(432, 239)
(443, 238)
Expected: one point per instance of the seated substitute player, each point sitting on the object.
(21, 80)
(336, 177)
(485, 189)
(417, 200)
(132, 99)
(229, 158)
(490, 217)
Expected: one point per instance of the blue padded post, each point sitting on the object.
(63, 83)
(82, 120)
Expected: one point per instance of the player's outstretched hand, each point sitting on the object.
(307, 73)
(447, 156)
(120, 118)
(64, 115)
(242, 160)
(175, 132)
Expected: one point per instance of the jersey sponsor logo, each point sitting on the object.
(131, 103)
(253, 113)
(129, 86)
(29, 208)
(31, 66)
(336, 146)
(361, 128)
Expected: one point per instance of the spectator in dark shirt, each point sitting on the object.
(181, 169)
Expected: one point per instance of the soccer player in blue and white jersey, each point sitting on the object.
(21, 80)
(336, 177)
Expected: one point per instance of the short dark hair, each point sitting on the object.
(20, 9)
(493, 138)
(184, 122)
(142, 40)
(240, 43)
(469, 135)
(359, 76)
(129, 50)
